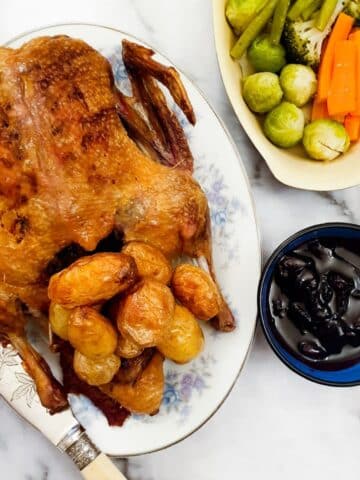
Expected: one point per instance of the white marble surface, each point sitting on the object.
(274, 424)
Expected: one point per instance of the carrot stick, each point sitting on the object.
(357, 109)
(357, 73)
(356, 38)
(319, 110)
(341, 30)
(355, 35)
(352, 125)
(342, 94)
(338, 118)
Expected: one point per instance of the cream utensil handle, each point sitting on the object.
(102, 468)
(93, 464)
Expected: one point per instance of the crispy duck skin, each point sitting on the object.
(70, 174)
(141, 97)
(181, 155)
(166, 128)
(49, 389)
(140, 130)
(163, 133)
(132, 368)
(140, 60)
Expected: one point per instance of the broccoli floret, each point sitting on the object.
(352, 8)
(303, 41)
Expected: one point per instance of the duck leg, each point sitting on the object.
(49, 389)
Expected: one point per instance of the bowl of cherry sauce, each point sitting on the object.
(309, 303)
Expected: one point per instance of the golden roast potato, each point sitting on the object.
(145, 314)
(96, 372)
(185, 339)
(127, 348)
(145, 395)
(93, 279)
(196, 290)
(91, 333)
(149, 261)
(59, 319)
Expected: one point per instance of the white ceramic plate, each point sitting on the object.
(195, 391)
(290, 167)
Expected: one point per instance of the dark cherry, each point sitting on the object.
(326, 292)
(320, 251)
(300, 316)
(279, 308)
(340, 283)
(315, 295)
(332, 334)
(312, 350)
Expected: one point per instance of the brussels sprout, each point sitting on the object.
(262, 91)
(325, 139)
(284, 125)
(298, 83)
(239, 13)
(264, 56)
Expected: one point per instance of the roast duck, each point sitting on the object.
(81, 162)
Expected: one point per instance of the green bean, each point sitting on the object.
(261, 6)
(311, 9)
(298, 7)
(327, 9)
(257, 10)
(278, 22)
(253, 30)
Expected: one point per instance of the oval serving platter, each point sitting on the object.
(193, 392)
(290, 167)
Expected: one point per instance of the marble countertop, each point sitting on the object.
(274, 424)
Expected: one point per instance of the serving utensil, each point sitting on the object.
(62, 429)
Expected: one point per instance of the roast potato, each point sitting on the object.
(145, 314)
(185, 339)
(127, 348)
(96, 372)
(149, 261)
(145, 395)
(91, 333)
(196, 290)
(59, 319)
(93, 279)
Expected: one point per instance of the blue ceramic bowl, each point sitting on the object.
(345, 377)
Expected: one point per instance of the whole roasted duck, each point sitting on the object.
(70, 175)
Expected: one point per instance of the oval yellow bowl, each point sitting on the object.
(290, 166)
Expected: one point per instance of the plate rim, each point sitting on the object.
(243, 171)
